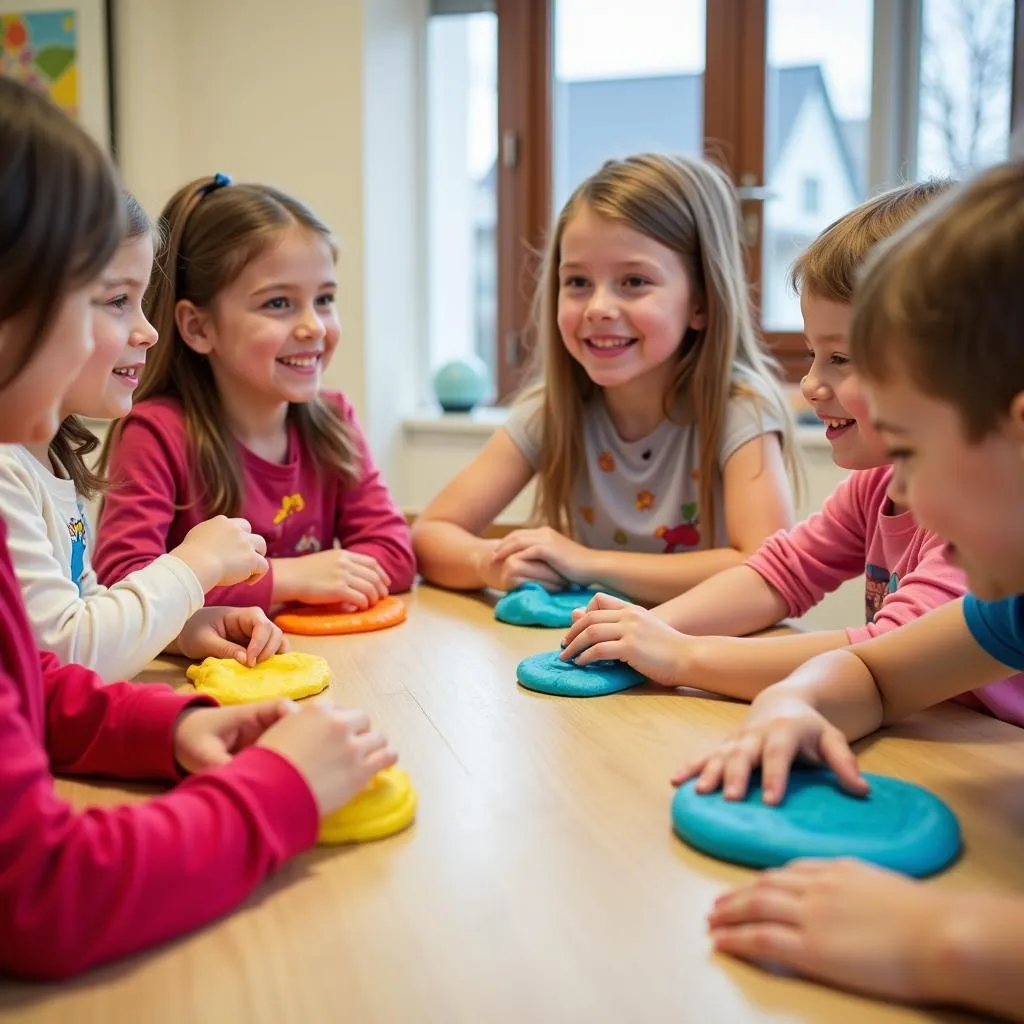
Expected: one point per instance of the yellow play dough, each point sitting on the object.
(292, 675)
(386, 806)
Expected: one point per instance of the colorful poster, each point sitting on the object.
(40, 48)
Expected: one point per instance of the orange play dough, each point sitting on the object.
(329, 620)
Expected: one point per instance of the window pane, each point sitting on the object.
(964, 98)
(628, 79)
(817, 112)
(462, 150)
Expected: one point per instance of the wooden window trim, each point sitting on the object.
(524, 174)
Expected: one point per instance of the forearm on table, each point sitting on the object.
(978, 958)
(651, 579)
(839, 685)
(732, 603)
(742, 667)
(450, 556)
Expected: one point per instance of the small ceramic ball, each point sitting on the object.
(461, 384)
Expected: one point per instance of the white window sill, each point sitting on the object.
(484, 421)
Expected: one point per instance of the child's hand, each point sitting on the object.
(626, 632)
(779, 728)
(842, 922)
(515, 570)
(245, 634)
(208, 737)
(334, 750)
(332, 576)
(222, 552)
(569, 560)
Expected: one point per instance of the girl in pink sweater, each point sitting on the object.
(699, 639)
(231, 418)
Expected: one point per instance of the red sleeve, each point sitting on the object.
(370, 522)
(244, 595)
(139, 508)
(78, 889)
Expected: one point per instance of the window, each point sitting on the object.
(810, 106)
(965, 85)
(462, 208)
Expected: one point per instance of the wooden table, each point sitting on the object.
(541, 881)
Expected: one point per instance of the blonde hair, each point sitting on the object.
(690, 207)
(828, 266)
(941, 300)
(213, 231)
(74, 440)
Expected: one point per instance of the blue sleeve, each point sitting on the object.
(998, 626)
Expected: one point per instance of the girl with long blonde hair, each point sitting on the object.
(657, 432)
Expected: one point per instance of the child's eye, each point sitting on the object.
(635, 281)
(575, 282)
(119, 302)
(276, 303)
(325, 300)
(838, 359)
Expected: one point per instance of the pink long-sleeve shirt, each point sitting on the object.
(81, 888)
(156, 501)
(905, 570)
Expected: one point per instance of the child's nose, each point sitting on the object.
(602, 305)
(813, 388)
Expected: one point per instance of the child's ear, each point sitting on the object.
(193, 326)
(698, 316)
(1017, 416)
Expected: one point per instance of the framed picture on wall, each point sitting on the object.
(62, 48)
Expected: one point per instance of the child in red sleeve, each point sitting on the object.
(77, 889)
(230, 417)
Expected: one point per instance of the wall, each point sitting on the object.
(321, 98)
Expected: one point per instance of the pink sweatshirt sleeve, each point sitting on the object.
(826, 549)
(931, 582)
(146, 468)
(78, 889)
(368, 521)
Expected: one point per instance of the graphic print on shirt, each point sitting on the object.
(644, 501)
(309, 542)
(606, 462)
(290, 504)
(587, 514)
(76, 531)
(684, 534)
(878, 584)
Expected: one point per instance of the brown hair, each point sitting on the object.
(942, 300)
(828, 266)
(689, 206)
(74, 440)
(60, 218)
(213, 229)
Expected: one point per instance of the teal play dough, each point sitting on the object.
(547, 673)
(532, 605)
(898, 825)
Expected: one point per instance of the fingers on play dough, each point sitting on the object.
(531, 605)
(899, 825)
(291, 675)
(386, 806)
(330, 620)
(547, 673)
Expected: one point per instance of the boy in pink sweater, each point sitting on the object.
(698, 639)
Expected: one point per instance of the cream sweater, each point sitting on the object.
(115, 631)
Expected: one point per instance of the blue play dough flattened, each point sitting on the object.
(547, 673)
(898, 825)
(532, 605)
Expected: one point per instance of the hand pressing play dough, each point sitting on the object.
(532, 605)
(386, 806)
(898, 825)
(292, 675)
(547, 673)
(330, 620)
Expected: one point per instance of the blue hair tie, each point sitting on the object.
(219, 181)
